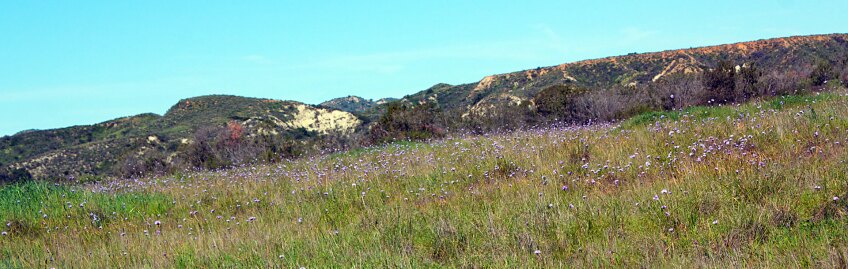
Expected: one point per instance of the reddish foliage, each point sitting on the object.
(235, 130)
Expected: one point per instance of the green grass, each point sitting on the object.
(756, 191)
(705, 112)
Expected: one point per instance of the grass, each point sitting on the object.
(707, 112)
(734, 186)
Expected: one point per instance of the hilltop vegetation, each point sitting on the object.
(754, 185)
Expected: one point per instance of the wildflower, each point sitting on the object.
(664, 191)
(564, 187)
(157, 223)
(835, 198)
(656, 197)
(715, 222)
(4, 233)
(537, 252)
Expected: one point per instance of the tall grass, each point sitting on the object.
(756, 185)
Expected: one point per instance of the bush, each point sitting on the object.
(720, 83)
(147, 163)
(747, 83)
(822, 72)
(10, 175)
(407, 122)
(559, 102)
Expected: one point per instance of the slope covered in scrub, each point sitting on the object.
(753, 185)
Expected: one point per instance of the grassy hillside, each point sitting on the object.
(103, 149)
(756, 185)
(788, 54)
(606, 89)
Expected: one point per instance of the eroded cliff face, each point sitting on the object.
(323, 121)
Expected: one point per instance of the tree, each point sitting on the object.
(403, 121)
(720, 83)
(822, 73)
(559, 102)
(747, 83)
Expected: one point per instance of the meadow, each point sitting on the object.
(761, 184)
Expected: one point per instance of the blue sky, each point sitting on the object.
(66, 63)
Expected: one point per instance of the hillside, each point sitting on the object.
(797, 52)
(101, 149)
(755, 185)
(355, 104)
(211, 132)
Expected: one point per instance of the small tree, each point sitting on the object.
(558, 101)
(720, 83)
(747, 83)
(822, 73)
(402, 121)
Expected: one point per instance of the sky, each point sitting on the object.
(65, 63)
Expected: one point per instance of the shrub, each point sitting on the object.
(406, 122)
(720, 83)
(147, 163)
(822, 72)
(559, 102)
(747, 83)
(10, 175)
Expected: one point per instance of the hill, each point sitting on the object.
(753, 185)
(211, 132)
(789, 53)
(102, 149)
(355, 104)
